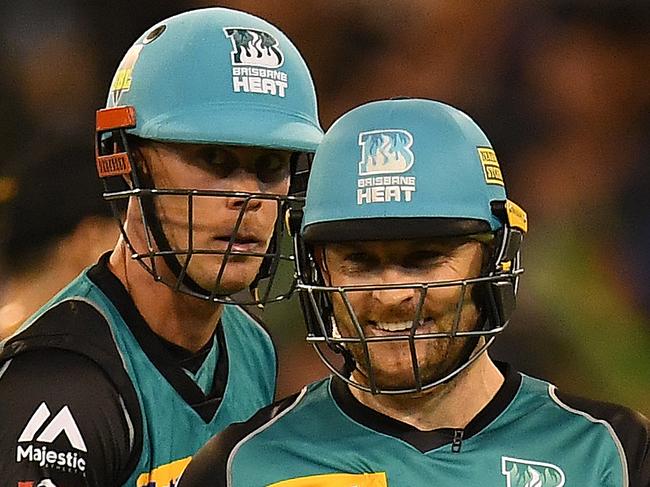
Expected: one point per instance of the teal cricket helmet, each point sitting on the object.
(221, 76)
(406, 169)
(207, 76)
(403, 168)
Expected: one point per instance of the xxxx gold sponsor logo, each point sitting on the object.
(517, 217)
(336, 480)
(164, 476)
(491, 169)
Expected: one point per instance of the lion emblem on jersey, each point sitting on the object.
(385, 152)
(526, 473)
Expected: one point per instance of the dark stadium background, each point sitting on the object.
(560, 86)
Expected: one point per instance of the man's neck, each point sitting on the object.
(178, 318)
(451, 405)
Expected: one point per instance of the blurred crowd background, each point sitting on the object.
(560, 86)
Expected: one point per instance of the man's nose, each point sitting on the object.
(396, 297)
(244, 182)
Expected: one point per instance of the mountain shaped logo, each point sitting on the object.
(63, 422)
(527, 473)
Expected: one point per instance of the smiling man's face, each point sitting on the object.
(392, 312)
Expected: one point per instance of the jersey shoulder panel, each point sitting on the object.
(74, 323)
(62, 419)
(211, 465)
(630, 431)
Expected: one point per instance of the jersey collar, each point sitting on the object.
(428, 440)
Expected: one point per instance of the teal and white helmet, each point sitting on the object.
(407, 169)
(207, 76)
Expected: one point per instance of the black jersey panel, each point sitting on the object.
(631, 428)
(77, 326)
(210, 465)
(61, 419)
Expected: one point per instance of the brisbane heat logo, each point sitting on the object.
(255, 58)
(254, 48)
(527, 473)
(385, 152)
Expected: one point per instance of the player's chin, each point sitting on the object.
(236, 275)
(404, 378)
(392, 367)
(389, 379)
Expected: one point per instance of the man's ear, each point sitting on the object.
(139, 158)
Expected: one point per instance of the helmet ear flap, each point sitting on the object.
(503, 292)
(293, 221)
(267, 261)
(316, 305)
(300, 166)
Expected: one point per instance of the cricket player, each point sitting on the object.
(121, 377)
(408, 262)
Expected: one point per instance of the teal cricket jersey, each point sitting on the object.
(168, 410)
(529, 435)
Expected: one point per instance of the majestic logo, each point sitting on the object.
(255, 58)
(385, 152)
(527, 473)
(62, 423)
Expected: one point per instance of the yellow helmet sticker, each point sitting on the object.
(491, 169)
(123, 76)
(517, 217)
(337, 480)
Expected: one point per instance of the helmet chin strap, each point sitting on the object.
(160, 238)
(162, 242)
